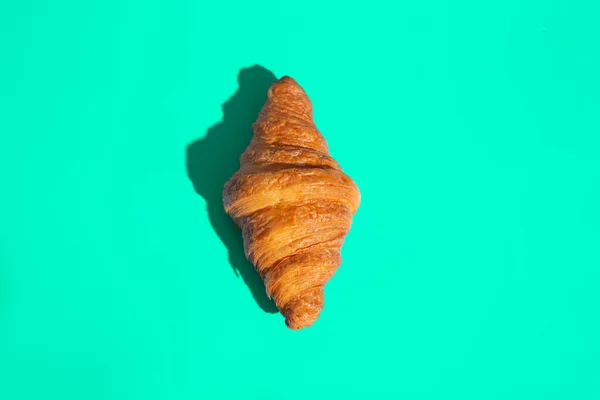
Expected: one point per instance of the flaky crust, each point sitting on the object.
(293, 203)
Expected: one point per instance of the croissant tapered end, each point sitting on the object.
(305, 309)
(287, 94)
(286, 85)
(293, 203)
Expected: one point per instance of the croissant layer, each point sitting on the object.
(293, 203)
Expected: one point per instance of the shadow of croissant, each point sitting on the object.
(213, 159)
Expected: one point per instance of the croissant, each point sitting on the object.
(293, 204)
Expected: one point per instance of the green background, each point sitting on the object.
(472, 267)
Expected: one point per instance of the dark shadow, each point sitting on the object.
(212, 160)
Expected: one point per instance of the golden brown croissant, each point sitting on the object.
(293, 203)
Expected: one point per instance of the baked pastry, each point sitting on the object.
(293, 203)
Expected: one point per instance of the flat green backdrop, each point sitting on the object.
(472, 269)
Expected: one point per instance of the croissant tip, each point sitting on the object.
(303, 312)
(287, 82)
(287, 86)
(295, 322)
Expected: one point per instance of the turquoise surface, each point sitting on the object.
(472, 267)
